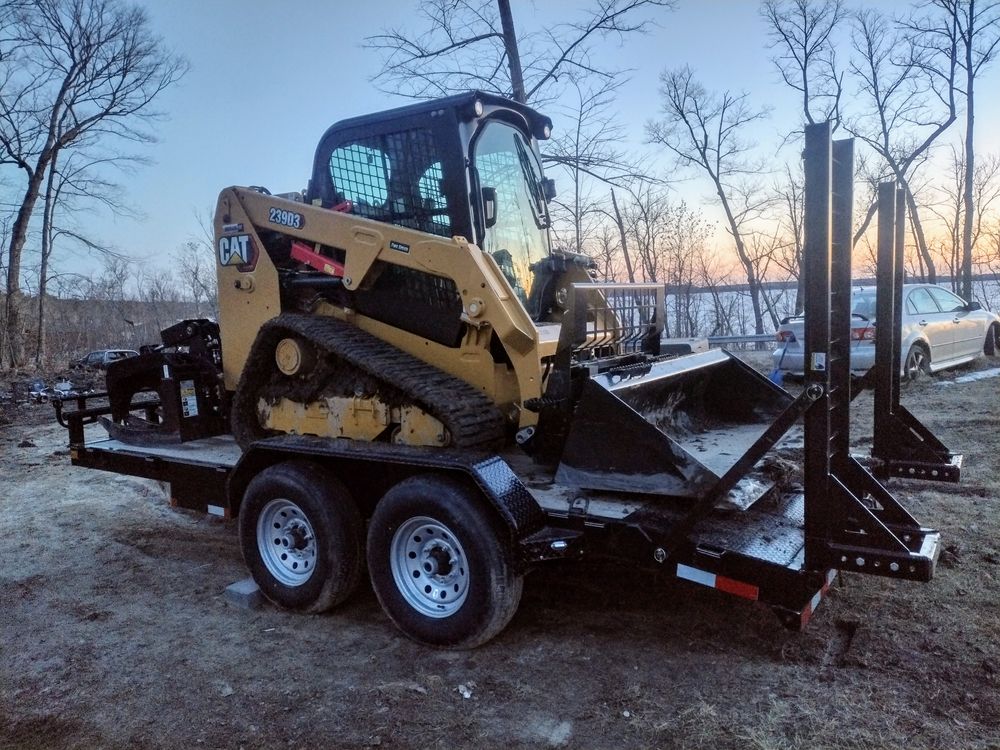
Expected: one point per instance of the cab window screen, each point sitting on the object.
(395, 178)
(361, 174)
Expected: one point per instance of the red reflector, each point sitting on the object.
(736, 588)
(805, 616)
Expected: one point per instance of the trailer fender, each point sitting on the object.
(370, 469)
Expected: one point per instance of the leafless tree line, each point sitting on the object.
(124, 304)
(898, 84)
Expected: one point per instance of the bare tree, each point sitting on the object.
(196, 271)
(951, 208)
(72, 72)
(976, 23)
(473, 44)
(588, 152)
(909, 91)
(606, 252)
(790, 197)
(800, 32)
(620, 224)
(707, 131)
(72, 187)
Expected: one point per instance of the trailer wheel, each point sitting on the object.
(439, 565)
(300, 532)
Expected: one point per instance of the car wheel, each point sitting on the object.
(440, 564)
(918, 362)
(992, 341)
(300, 533)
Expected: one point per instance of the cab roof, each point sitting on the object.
(463, 104)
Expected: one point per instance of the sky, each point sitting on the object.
(268, 78)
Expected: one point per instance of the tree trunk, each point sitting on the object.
(918, 234)
(12, 347)
(621, 234)
(741, 251)
(513, 56)
(970, 162)
(43, 269)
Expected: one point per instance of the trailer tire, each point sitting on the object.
(440, 565)
(300, 533)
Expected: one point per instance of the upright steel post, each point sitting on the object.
(817, 216)
(886, 334)
(902, 445)
(898, 272)
(840, 300)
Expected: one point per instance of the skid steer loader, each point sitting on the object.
(398, 343)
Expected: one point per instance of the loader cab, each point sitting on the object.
(466, 165)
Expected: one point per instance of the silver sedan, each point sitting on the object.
(940, 330)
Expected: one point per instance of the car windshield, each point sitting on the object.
(863, 303)
(507, 163)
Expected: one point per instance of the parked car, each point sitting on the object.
(939, 330)
(100, 359)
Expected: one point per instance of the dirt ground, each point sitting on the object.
(115, 633)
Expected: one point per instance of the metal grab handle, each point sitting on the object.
(922, 322)
(956, 320)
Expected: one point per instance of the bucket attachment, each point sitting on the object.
(668, 427)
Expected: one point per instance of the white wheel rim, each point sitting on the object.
(286, 542)
(429, 567)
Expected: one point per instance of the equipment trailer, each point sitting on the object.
(633, 461)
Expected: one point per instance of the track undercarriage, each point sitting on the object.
(316, 375)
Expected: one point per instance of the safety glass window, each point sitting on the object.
(433, 199)
(947, 301)
(922, 303)
(507, 164)
(361, 174)
(863, 304)
(393, 177)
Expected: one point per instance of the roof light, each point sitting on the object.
(477, 107)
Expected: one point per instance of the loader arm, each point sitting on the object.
(252, 230)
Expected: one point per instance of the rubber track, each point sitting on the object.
(472, 420)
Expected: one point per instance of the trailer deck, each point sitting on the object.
(756, 554)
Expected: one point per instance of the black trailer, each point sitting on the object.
(781, 546)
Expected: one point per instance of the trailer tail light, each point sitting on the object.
(785, 337)
(863, 334)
